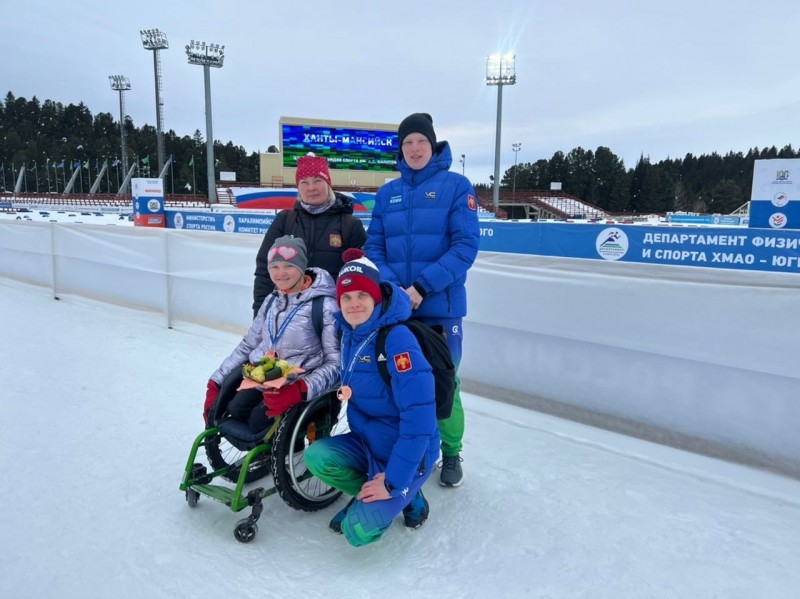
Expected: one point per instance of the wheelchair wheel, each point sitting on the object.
(222, 454)
(301, 426)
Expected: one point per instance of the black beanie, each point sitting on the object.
(419, 122)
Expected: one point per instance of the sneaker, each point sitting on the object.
(416, 512)
(452, 475)
(336, 522)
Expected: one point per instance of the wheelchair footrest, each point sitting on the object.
(217, 493)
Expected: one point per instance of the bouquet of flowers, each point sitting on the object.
(269, 371)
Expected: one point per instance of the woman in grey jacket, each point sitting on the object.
(284, 324)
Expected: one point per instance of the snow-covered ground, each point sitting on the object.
(100, 406)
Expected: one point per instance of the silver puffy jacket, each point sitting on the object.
(299, 344)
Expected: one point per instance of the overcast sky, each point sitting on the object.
(659, 79)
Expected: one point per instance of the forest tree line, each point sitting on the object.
(51, 139)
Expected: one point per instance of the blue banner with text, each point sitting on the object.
(712, 247)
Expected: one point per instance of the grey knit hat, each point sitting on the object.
(288, 249)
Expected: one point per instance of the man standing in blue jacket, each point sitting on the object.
(424, 237)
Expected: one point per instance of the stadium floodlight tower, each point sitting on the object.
(516, 148)
(500, 71)
(155, 40)
(208, 55)
(121, 84)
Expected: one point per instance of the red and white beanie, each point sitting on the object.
(359, 274)
(312, 166)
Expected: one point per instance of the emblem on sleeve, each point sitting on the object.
(471, 202)
(402, 362)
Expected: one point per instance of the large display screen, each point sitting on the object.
(345, 149)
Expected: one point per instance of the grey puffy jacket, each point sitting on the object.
(299, 344)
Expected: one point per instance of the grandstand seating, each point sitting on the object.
(539, 204)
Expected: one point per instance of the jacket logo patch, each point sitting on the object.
(430, 195)
(402, 362)
(365, 359)
(471, 202)
(335, 240)
(381, 358)
(395, 199)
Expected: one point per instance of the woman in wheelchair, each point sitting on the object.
(285, 324)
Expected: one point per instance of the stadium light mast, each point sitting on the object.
(500, 71)
(208, 55)
(155, 40)
(516, 147)
(121, 84)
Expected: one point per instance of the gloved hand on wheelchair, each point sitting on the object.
(278, 401)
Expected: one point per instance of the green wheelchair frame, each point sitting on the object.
(279, 452)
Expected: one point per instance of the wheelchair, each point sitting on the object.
(241, 457)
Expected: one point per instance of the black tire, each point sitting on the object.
(192, 497)
(222, 454)
(301, 426)
(245, 531)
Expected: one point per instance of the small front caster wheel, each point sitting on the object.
(245, 531)
(192, 497)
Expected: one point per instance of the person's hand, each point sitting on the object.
(416, 298)
(374, 490)
(212, 392)
(281, 399)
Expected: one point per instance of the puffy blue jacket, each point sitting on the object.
(398, 425)
(424, 230)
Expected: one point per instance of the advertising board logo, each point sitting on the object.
(178, 220)
(612, 243)
(782, 175)
(153, 205)
(780, 199)
(228, 224)
(778, 220)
